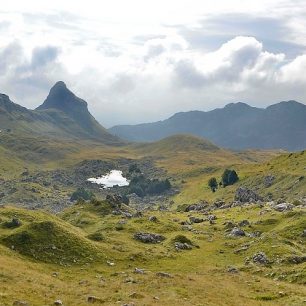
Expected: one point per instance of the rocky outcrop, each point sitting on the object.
(260, 258)
(244, 195)
(149, 237)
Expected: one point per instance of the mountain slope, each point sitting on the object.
(61, 116)
(236, 126)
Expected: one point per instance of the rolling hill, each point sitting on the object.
(236, 126)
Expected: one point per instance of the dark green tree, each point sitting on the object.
(229, 177)
(213, 184)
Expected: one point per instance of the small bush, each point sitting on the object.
(229, 177)
(82, 193)
(96, 236)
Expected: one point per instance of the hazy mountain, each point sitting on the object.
(62, 115)
(236, 126)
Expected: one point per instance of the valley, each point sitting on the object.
(164, 237)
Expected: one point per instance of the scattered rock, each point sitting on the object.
(296, 259)
(20, 303)
(111, 264)
(244, 195)
(237, 232)
(255, 234)
(219, 203)
(283, 207)
(268, 180)
(136, 295)
(153, 219)
(244, 223)
(260, 258)
(197, 207)
(149, 237)
(228, 225)
(139, 271)
(232, 269)
(93, 299)
(164, 274)
(211, 217)
(58, 303)
(182, 246)
(196, 220)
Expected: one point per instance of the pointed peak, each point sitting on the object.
(61, 98)
(59, 88)
(59, 84)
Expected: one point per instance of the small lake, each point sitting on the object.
(113, 178)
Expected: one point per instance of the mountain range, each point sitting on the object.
(62, 115)
(236, 126)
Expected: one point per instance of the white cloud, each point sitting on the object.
(135, 61)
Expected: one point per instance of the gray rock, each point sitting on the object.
(20, 303)
(283, 207)
(149, 237)
(260, 258)
(58, 303)
(182, 246)
(237, 232)
(304, 233)
(164, 274)
(93, 299)
(268, 180)
(197, 207)
(139, 271)
(153, 219)
(244, 195)
(232, 269)
(244, 223)
(211, 217)
(196, 220)
(296, 259)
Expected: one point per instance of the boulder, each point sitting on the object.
(196, 220)
(197, 207)
(232, 269)
(164, 274)
(283, 207)
(153, 219)
(268, 180)
(260, 258)
(149, 237)
(58, 303)
(244, 195)
(139, 271)
(237, 232)
(211, 217)
(244, 223)
(182, 246)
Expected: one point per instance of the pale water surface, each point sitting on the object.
(113, 178)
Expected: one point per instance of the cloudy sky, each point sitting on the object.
(139, 61)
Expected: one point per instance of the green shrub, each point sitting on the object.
(229, 177)
(82, 193)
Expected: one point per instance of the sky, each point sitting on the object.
(138, 61)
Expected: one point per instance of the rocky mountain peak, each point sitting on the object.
(61, 98)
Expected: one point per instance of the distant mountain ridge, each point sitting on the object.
(236, 126)
(62, 115)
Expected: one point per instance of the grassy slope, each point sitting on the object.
(199, 275)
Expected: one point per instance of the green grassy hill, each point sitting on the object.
(81, 265)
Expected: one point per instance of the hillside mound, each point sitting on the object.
(49, 241)
(178, 143)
